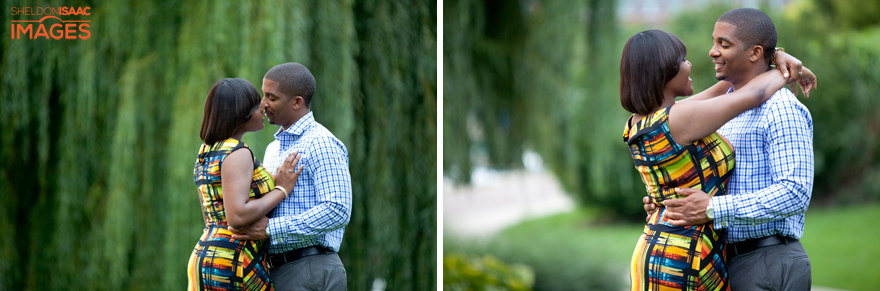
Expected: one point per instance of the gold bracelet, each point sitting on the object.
(282, 190)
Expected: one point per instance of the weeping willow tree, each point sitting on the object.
(541, 76)
(99, 135)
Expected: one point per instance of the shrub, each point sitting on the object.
(486, 272)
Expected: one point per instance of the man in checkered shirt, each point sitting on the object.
(305, 230)
(769, 191)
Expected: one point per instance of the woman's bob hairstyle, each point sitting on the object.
(229, 105)
(650, 59)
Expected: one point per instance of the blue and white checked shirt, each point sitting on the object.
(319, 205)
(770, 188)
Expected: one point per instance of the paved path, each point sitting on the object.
(498, 199)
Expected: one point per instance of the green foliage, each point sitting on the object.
(394, 145)
(550, 87)
(462, 273)
(479, 56)
(99, 135)
(849, 14)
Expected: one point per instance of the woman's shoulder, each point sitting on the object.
(228, 145)
(651, 122)
(655, 117)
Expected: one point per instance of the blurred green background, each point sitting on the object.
(99, 136)
(543, 76)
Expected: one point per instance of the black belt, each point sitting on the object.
(278, 260)
(750, 245)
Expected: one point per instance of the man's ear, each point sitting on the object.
(757, 53)
(298, 102)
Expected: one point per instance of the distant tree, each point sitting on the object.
(543, 77)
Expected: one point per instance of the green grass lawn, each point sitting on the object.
(579, 229)
(839, 241)
(843, 246)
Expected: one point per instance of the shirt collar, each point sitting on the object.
(297, 129)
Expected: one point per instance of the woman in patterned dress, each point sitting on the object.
(674, 144)
(234, 190)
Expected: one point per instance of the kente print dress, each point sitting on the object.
(670, 257)
(219, 262)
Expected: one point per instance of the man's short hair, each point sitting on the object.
(753, 27)
(293, 80)
(650, 59)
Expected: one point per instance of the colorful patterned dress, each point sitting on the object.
(219, 262)
(670, 257)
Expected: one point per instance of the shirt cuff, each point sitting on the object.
(274, 229)
(724, 210)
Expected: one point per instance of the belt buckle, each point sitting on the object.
(736, 249)
(271, 262)
(741, 248)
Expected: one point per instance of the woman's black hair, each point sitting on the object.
(230, 103)
(650, 59)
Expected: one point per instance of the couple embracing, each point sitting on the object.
(275, 225)
(728, 171)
